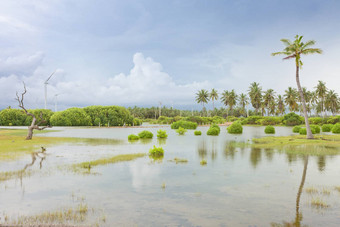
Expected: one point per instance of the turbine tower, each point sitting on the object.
(46, 82)
(56, 102)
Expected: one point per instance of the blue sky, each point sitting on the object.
(142, 52)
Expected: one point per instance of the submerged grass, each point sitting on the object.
(319, 203)
(321, 145)
(4, 176)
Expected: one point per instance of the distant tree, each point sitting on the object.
(243, 101)
(202, 97)
(268, 99)
(332, 102)
(213, 96)
(295, 50)
(280, 105)
(291, 98)
(255, 94)
(321, 92)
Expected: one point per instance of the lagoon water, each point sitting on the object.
(239, 186)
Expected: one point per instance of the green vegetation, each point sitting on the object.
(180, 160)
(235, 128)
(161, 134)
(336, 128)
(296, 129)
(145, 134)
(197, 133)
(327, 127)
(184, 124)
(156, 152)
(269, 129)
(18, 174)
(17, 117)
(292, 119)
(319, 203)
(311, 190)
(181, 131)
(133, 137)
(303, 131)
(315, 129)
(203, 162)
(214, 130)
(71, 117)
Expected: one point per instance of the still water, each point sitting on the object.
(239, 186)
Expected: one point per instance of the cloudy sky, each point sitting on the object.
(142, 52)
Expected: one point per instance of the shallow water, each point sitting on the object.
(239, 186)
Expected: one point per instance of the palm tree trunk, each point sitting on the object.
(309, 132)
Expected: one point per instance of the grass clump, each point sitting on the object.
(336, 128)
(235, 128)
(156, 152)
(8, 175)
(162, 134)
(296, 129)
(197, 133)
(181, 131)
(180, 160)
(269, 129)
(311, 190)
(319, 203)
(203, 162)
(327, 127)
(214, 130)
(133, 137)
(145, 134)
(184, 124)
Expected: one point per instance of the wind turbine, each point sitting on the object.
(46, 82)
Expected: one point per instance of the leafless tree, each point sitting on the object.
(34, 124)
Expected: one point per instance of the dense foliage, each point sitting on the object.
(336, 128)
(133, 137)
(235, 128)
(269, 129)
(162, 134)
(17, 117)
(327, 127)
(181, 131)
(214, 130)
(71, 117)
(292, 119)
(184, 124)
(197, 133)
(315, 128)
(156, 152)
(296, 129)
(145, 134)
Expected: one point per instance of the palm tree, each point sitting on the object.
(295, 50)
(268, 98)
(280, 104)
(291, 98)
(213, 96)
(321, 92)
(255, 94)
(202, 97)
(272, 108)
(332, 102)
(229, 99)
(243, 101)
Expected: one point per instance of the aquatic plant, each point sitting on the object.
(197, 133)
(156, 152)
(162, 134)
(311, 190)
(296, 129)
(203, 162)
(327, 127)
(269, 129)
(145, 134)
(214, 130)
(180, 160)
(133, 137)
(184, 124)
(319, 203)
(235, 128)
(181, 131)
(336, 128)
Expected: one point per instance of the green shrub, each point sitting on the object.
(271, 120)
(133, 137)
(71, 117)
(162, 134)
(336, 128)
(292, 119)
(145, 134)
(156, 152)
(214, 130)
(315, 129)
(315, 120)
(303, 131)
(203, 162)
(184, 124)
(181, 131)
(269, 129)
(198, 133)
(235, 128)
(252, 120)
(296, 129)
(333, 120)
(327, 127)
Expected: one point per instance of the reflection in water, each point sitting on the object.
(145, 141)
(321, 162)
(161, 141)
(202, 149)
(255, 156)
(291, 157)
(269, 152)
(229, 150)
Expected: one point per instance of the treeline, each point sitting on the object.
(88, 116)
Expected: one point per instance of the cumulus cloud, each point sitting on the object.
(146, 84)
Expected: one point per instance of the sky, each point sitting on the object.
(148, 51)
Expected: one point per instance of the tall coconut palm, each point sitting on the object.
(243, 101)
(213, 96)
(202, 97)
(291, 98)
(229, 98)
(332, 102)
(280, 105)
(295, 50)
(321, 92)
(255, 94)
(268, 98)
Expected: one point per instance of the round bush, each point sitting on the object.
(145, 134)
(198, 133)
(156, 151)
(133, 137)
(214, 130)
(327, 127)
(162, 134)
(296, 129)
(315, 129)
(181, 131)
(184, 124)
(269, 129)
(235, 128)
(303, 131)
(336, 128)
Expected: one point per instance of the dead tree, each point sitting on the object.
(34, 124)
